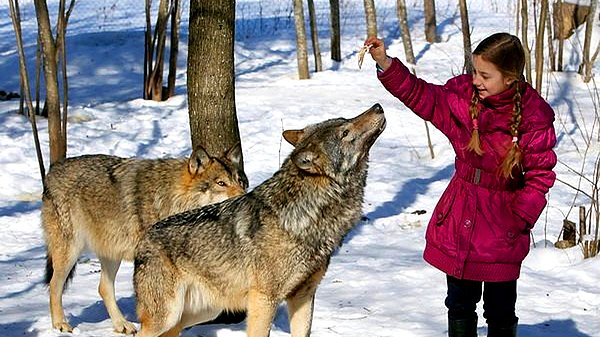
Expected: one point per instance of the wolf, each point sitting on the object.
(254, 251)
(106, 203)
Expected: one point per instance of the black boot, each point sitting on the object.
(502, 331)
(462, 327)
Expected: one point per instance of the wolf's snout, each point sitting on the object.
(377, 108)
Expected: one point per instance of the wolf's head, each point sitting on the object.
(338, 146)
(207, 179)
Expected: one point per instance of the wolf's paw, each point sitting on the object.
(125, 327)
(62, 327)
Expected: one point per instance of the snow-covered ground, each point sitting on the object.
(378, 283)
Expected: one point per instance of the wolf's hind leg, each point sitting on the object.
(62, 257)
(107, 292)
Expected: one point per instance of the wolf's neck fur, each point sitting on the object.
(318, 209)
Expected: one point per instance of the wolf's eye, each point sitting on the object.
(345, 133)
(221, 183)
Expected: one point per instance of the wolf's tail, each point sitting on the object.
(50, 272)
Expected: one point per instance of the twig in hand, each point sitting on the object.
(361, 54)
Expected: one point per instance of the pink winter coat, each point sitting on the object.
(479, 230)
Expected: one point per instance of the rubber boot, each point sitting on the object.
(502, 331)
(462, 327)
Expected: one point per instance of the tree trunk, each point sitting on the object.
(155, 80)
(174, 49)
(561, 41)
(525, 40)
(211, 79)
(430, 23)
(371, 17)
(551, 53)
(406, 40)
(336, 50)
(539, 46)
(56, 141)
(148, 50)
(586, 66)
(301, 48)
(466, 33)
(314, 35)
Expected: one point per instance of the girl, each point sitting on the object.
(502, 133)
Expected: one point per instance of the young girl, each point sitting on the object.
(502, 133)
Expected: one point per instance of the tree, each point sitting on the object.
(175, 21)
(524, 39)
(551, 53)
(466, 33)
(154, 55)
(53, 51)
(539, 46)
(336, 51)
(371, 17)
(405, 31)
(430, 23)
(585, 68)
(314, 35)
(211, 80)
(301, 48)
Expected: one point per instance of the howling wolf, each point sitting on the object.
(272, 244)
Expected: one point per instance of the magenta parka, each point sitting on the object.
(479, 229)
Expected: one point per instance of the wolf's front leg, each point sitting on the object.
(261, 310)
(301, 305)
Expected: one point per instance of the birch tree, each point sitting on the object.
(301, 48)
(314, 34)
(371, 17)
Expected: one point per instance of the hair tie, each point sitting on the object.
(475, 124)
(515, 139)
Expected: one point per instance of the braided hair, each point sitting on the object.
(506, 53)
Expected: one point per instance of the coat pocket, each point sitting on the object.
(443, 207)
(518, 227)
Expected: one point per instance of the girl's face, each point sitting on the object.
(488, 79)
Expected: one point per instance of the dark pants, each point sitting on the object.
(499, 300)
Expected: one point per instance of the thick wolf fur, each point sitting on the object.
(105, 204)
(270, 245)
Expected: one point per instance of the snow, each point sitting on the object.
(377, 283)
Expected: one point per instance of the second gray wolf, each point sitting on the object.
(105, 204)
(273, 244)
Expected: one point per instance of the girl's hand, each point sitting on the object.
(377, 51)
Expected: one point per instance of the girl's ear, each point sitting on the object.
(509, 81)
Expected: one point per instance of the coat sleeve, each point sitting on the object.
(428, 101)
(538, 161)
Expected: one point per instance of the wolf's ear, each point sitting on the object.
(198, 160)
(306, 161)
(234, 154)
(293, 136)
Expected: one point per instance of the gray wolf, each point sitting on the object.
(105, 204)
(273, 244)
